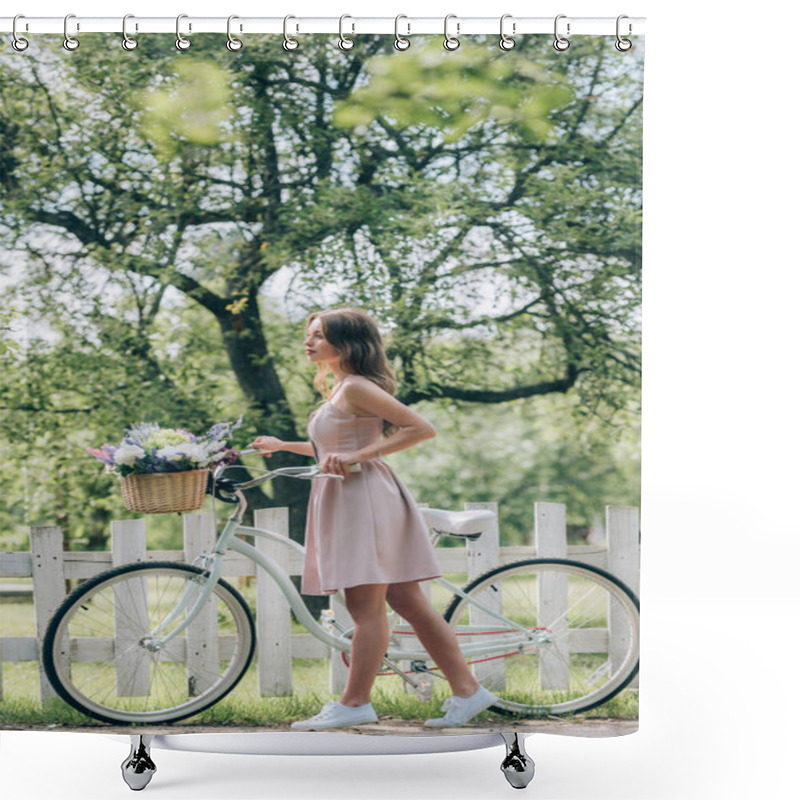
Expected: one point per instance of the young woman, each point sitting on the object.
(365, 534)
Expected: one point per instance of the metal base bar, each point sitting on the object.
(138, 768)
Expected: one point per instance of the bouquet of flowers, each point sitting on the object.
(148, 448)
(166, 469)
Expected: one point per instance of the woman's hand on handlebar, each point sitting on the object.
(339, 463)
(266, 445)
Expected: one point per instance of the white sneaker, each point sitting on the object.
(336, 715)
(460, 710)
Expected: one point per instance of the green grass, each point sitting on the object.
(244, 706)
(16, 615)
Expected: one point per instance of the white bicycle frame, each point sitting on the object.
(512, 638)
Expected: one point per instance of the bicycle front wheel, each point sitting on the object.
(96, 652)
(567, 639)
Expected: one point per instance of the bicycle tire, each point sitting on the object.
(579, 663)
(95, 659)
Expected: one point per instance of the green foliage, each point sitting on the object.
(8, 345)
(528, 451)
(456, 92)
(192, 108)
(168, 221)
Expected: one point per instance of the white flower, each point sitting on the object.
(126, 454)
(196, 453)
(172, 452)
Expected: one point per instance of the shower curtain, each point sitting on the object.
(170, 219)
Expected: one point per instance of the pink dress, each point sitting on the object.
(365, 528)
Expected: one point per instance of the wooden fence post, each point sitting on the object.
(128, 541)
(482, 555)
(550, 540)
(202, 636)
(129, 545)
(49, 588)
(273, 616)
(622, 524)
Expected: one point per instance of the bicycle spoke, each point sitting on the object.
(566, 668)
(114, 676)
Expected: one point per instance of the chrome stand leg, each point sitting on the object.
(138, 768)
(517, 766)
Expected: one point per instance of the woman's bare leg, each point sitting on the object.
(367, 606)
(436, 636)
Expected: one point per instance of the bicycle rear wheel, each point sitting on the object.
(571, 635)
(95, 650)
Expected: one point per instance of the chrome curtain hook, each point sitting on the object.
(289, 43)
(561, 43)
(400, 42)
(70, 42)
(345, 43)
(506, 42)
(181, 42)
(451, 42)
(233, 44)
(19, 43)
(128, 42)
(623, 45)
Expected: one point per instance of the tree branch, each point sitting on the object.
(438, 391)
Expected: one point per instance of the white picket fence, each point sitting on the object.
(50, 566)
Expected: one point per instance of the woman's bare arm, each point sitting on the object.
(267, 445)
(364, 397)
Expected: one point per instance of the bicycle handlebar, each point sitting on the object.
(217, 484)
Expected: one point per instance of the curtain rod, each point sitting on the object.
(350, 25)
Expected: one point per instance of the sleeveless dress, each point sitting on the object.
(365, 528)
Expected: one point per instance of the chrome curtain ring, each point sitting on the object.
(506, 42)
(623, 45)
(70, 42)
(560, 42)
(233, 44)
(345, 43)
(451, 42)
(128, 42)
(400, 42)
(19, 43)
(181, 42)
(289, 43)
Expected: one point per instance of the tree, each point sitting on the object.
(474, 201)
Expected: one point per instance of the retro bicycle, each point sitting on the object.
(158, 642)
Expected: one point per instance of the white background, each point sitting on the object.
(719, 585)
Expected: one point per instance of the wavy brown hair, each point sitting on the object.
(356, 337)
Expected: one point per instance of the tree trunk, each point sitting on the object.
(247, 348)
(246, 345)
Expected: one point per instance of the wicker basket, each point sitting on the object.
(165, 492)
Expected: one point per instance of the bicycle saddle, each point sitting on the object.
(469, 524)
